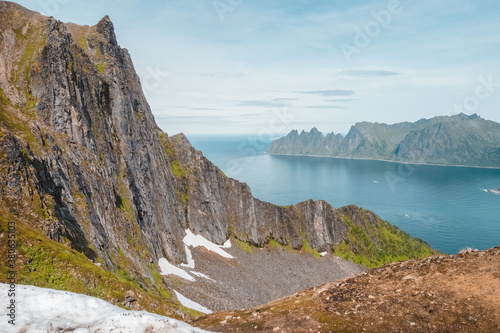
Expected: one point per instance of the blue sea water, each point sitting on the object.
(445, 206)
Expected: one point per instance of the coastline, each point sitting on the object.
(390, 161)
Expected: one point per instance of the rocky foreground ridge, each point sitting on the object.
(99, 194)
(456, 293)
(454, 140)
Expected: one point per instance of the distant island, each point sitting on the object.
(445, 140)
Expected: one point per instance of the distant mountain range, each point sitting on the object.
(449, 140)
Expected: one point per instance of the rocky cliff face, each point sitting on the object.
(217, 206)
(455, 140)
(83, 161)
(78, 135)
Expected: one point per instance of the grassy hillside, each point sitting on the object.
(381, 243)
(44, 263)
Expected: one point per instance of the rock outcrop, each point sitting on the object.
(455, 140)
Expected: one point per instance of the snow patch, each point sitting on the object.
(202, 275)
(323, 254)
(191, 304)
(198, 240)
(167, 269)
(227, 244)
(48, 310)
(190, 260)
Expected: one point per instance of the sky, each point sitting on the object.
(267, 67)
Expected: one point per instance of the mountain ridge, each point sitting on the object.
(458, 140)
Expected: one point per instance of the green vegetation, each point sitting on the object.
(20, 128)
(183, 195)
(167, 145)
(242, 245)
(99, 58)
(101, 67)
(309, 250)
(43, 206)
(83, 42)
(379, 244)
(98, 53)
(177, 169)
(33, 43)
(158, 281)
(29, 43)
(122, 199)
(79, 199)
(273, 244)
(4, 101)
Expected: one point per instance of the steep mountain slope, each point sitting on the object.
(98, 192)
(455, 140)
(438, 294)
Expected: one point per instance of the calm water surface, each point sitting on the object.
(445, 206)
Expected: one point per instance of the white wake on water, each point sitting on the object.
(493, 191)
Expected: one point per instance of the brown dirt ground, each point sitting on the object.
(459, 293)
